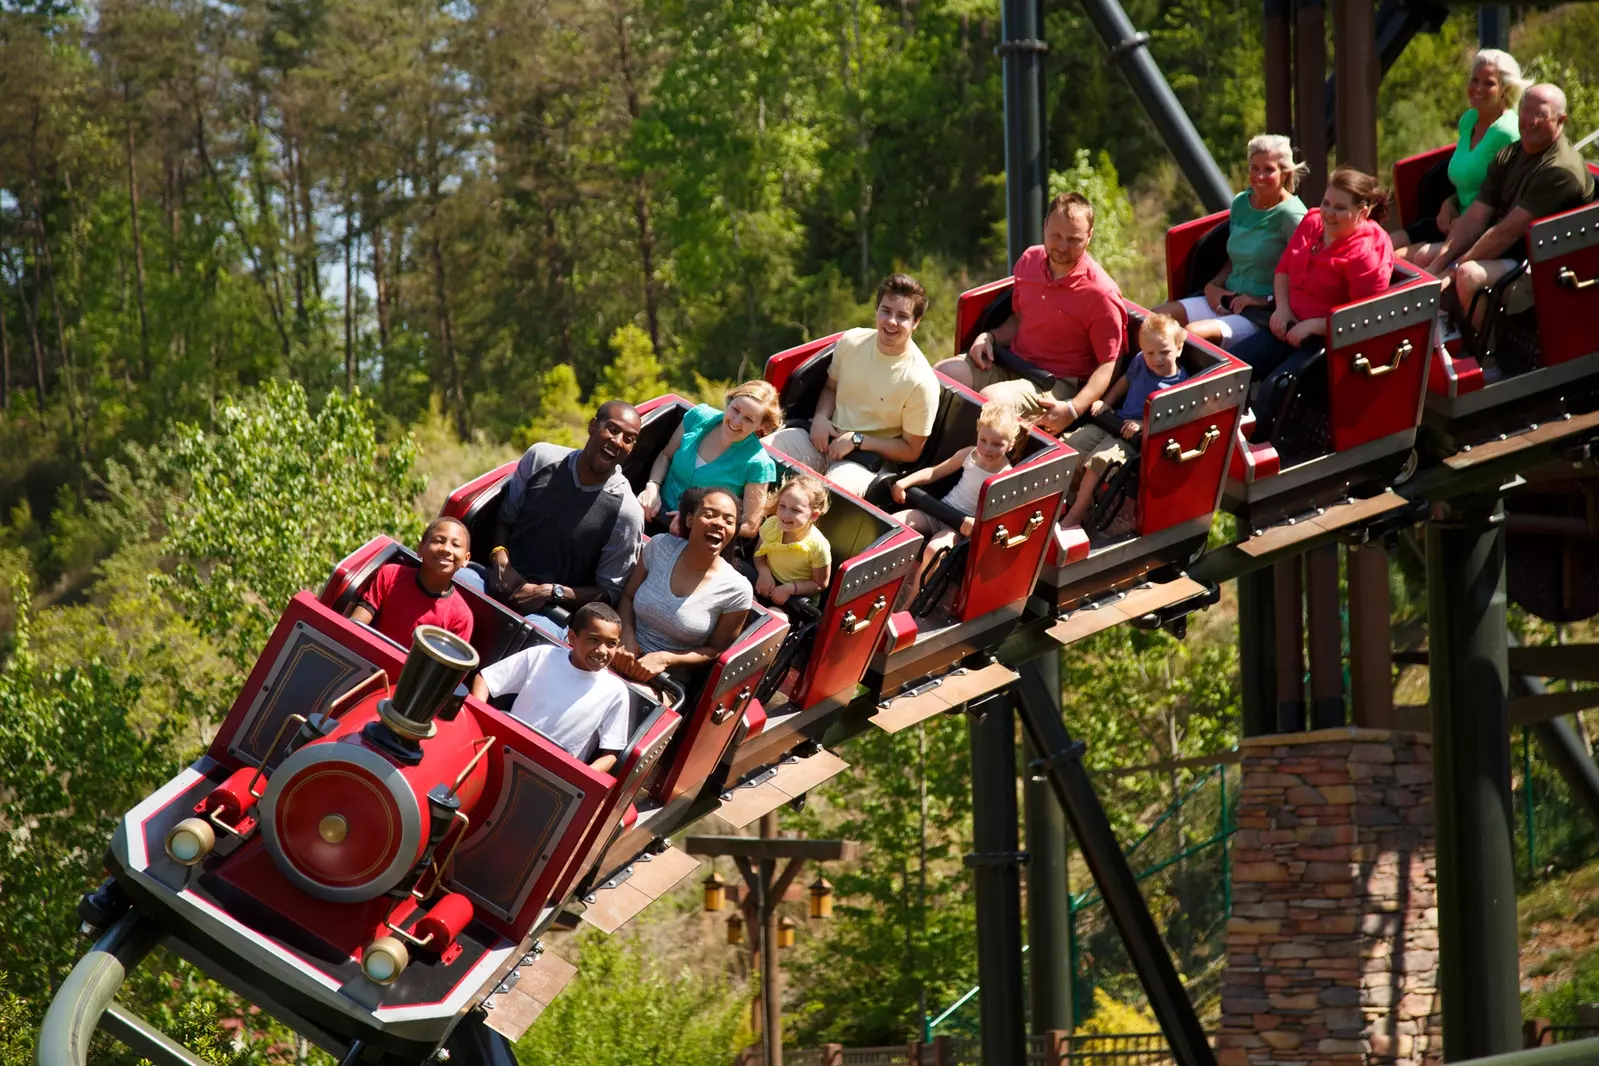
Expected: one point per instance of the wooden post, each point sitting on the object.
(943, 1051)
(771, 979)
(1057, 1046)
(832, 1055)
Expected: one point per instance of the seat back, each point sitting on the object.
(799, 375)
(1418, 191)
(1182, 244)
(477, 505)
(659, 419)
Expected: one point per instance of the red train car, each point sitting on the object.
(1326, 424)
(1529, 367)
(993, 572)
(365, 849)
(1160, 511)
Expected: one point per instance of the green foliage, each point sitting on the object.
(635, 374)
(1560, 1003)
(276, 494)
(17, 1025)
(626, 1007)
(74, 755)
(902, 929)
(1096, 179)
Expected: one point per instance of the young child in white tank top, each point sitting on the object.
(997, 428)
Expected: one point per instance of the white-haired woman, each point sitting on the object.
(1237, 302)
(1488, 126)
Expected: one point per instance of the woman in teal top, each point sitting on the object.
(1488, 126)
(719, 449)
(1237, 301)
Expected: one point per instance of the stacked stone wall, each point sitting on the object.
(1332, 945)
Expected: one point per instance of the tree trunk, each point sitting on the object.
(30, 319)
(349, 308)
(452, 359)
(225, 194)
(138, 243)
(555, 253)
(641, 188)
(380, 282)
(5, 355)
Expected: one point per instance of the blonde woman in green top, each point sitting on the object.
(1487, 127)
(1237, 302)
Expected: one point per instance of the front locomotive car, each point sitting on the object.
(369, 861)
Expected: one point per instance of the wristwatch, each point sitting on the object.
(856, 438)
(556, 593)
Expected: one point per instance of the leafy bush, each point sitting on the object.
(626, 1007)
(276, 494)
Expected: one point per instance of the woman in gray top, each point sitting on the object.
(684, 604)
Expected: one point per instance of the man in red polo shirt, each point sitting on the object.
(1067, 318)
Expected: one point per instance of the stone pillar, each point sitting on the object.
(1332, 945)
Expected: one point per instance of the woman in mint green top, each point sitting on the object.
(1487, 127)
(1260, 221)
(720, 449)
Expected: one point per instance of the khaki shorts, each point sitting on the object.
(996, 384)
(1101, 446)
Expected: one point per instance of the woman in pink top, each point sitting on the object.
(1337, 255)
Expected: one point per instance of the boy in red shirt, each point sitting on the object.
(400, 597)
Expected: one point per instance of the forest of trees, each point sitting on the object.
(276, 274)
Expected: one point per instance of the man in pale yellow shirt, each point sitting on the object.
(881, 395)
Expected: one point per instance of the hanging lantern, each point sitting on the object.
(715, 893)
(785, 932)
(735, 929)
(821, 898)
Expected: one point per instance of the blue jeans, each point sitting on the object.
(474, 577)
(1265, 353)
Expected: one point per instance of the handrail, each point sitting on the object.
(1580, 1053)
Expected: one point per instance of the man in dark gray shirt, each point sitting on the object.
(569, 527)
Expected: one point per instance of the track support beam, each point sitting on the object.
(1061, 762)
(1049, 969)
(1469, 674)
(996, 877)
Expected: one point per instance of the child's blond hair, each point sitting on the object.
(1165, 326)
(815, 493)
(1002, 418)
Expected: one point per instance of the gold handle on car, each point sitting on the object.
(850, 624)
(1567, 278)
(1003, 538)
(1363, 364)
(726, 711)
(1175, 453)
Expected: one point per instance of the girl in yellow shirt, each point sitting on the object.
(793, 559)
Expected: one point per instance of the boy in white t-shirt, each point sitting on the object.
(571, 699)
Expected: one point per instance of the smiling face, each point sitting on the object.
(443, 551)
(1484, 91)
(896, 320)
(742, 416)
(595, 647)
(1542, 119)
(612, 434)
(1340, 214)
(713, 524)
(1266, 177)
(794, 511)
(1066, 236)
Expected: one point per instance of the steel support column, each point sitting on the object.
(1289, 631)
(1062, 764)
(1129, 49)
(1493, 26)
(1371, 662)
(1357, 77)
(1279, 48)
(1049, 969)
(996, 878)
(1026, 161)
(1310, 94)
(1257, 652)
(1324, 612)
(1478, 947)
